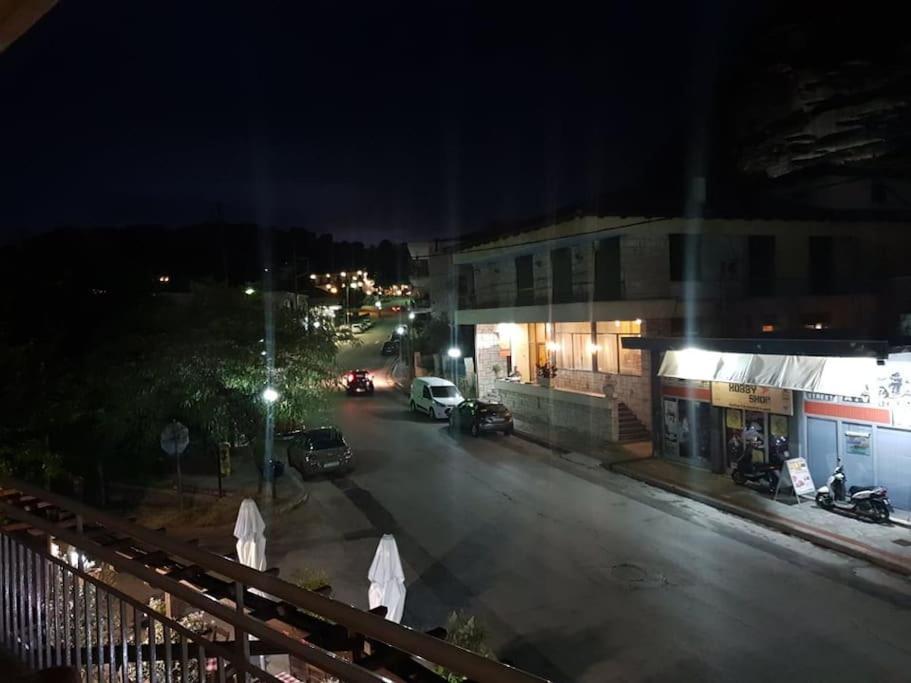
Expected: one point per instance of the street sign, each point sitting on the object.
(175, 438)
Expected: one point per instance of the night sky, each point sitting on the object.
(368, 120)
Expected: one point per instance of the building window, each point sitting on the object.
(525, 280)
(685, 257)
(760, 265)
(607, 270)
(561, 275)
(574, 350)
(612, 357)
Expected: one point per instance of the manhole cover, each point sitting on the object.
(628, 572)
(903, 542)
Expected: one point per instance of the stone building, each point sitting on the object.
(567, 294)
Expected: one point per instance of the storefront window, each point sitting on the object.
(630, 359)
(780, 441)
(574, 345)
(607, 352)
(733, 435)
(612, 357)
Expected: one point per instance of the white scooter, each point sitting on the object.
(871, 502)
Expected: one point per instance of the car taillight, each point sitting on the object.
(351, 377)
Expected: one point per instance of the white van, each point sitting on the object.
(435, 396)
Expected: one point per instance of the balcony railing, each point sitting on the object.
(74, 611)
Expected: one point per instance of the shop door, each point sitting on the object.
(893, 465)
(822, 448)
(857, 453)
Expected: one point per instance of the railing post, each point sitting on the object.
(240, 636)
(4, 588)
(20, 602)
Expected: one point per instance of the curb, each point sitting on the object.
(824, 539)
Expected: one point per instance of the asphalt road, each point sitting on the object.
(581, 574)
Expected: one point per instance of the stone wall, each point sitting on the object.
(644, 264)
(633, 390)
(580, 422)
(487, 354)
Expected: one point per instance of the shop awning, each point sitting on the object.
(825, 375)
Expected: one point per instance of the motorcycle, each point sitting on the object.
(870, 502)
(745, 470)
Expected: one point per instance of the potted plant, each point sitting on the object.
(546, 373)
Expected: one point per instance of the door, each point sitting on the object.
(857, 453)
(822, 448)
(893, 465)
(462, 415)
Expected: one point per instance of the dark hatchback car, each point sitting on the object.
(480, 416)
(391, 347)
(320, 450)
(359, 382)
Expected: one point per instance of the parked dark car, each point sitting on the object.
(391, 347)
(359, 382)
(320, 450)
(477, 417)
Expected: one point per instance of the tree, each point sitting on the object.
(198, 358)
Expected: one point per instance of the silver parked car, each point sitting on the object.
(320, 450)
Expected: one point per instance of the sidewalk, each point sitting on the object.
(885, 545)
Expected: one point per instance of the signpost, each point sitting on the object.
(175, 438)
(795, 474)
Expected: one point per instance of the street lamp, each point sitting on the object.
(400, 330)
(379, 305)
(411, 315)
(270, 395)
(249, 290)
(343, 274)
(454, 352)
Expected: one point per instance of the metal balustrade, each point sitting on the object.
(54, 612)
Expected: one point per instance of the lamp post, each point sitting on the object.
(454, 353)
(269, 396)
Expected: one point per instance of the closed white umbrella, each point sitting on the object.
(248, 530)
(387, 580)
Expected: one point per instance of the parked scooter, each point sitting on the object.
(745, 470)
(871, 502)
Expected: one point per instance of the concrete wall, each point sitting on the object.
(574, 421)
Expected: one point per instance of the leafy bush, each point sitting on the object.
(468, 633)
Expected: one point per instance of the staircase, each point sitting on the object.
(631, 429)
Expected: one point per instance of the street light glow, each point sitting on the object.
(454, 352)
(249, 290)
(411, 315)
(343, 273)
(400, 330)
(379, 305)
(316, 324)
(270, 395)
(312, 276)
